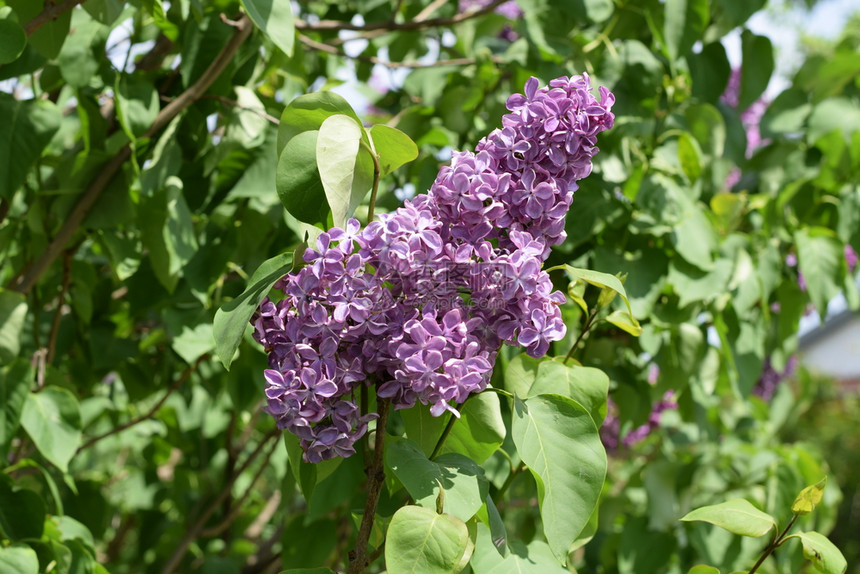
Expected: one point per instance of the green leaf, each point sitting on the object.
(786, 114)
(821, 260)
(707, 126)
(298, 180)
(684, 25)
(308, 112)
(420, 540)
(22, 512)
(168, 232)
(83, 50)
(461, 479)
(49, 39)
(737, 516)
(231, 319)
(536, 558)
(105, 11)
(625, 322)
(393, 147)
(137, 105)
(585, 385)
(710, 70)
(15, 380)
(821, 552)
(480, 430)
(703, 569)
(521, 373)
(556, 438)
(18, 559)
(13, 39)
(26, 129)
(758, 65)
(13, 311)
(604, 281)
(690, 156)
(52, 418)
(809, 498)
(337, 152)
(841, 114)
(275, 19)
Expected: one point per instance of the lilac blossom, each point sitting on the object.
(419, 301)
(610, 431)
(770, 378)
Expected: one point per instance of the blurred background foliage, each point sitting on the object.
(137, 194)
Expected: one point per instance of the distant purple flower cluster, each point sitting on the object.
(420, 300)
(751, 116)
(610, 431)
(509, 10)
(770, 378)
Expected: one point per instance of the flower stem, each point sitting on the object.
(589, 323)
(376, 175)
(445, 432)
(773, 545)
(375, 480)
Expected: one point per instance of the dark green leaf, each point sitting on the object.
(232, 318)
(13, 40)
(684, 25)
(461, 479)
(758, 65)
(308, 112)
(26, 129)
(22, 512)
(15, 380)
(48, 39)
(298, 179)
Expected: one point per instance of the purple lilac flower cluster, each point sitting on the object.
(610, 431)
(420, 300)
(770, 378)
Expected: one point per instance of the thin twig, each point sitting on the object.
(61, 301)
(52, 11)
(389, 26)
(151, 412)
(444, 435)
(24, 283)
(237, 105)
(588, 325)
(773, 545)
(237, 505)
(195, 530)
(329, 49)
(375, 480)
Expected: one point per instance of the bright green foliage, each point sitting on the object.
(420, 540)
(737, 516)
(154, 154)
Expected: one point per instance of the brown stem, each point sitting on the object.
(178, 383)
(61, 300)
(330, 49)
(375, 480)
(589, 323)
(389, 26)
(165, 116)
(237, 505)
(52, 11)
(197, 528)
(773, 545)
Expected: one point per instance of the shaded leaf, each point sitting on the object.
(26, 129)
(15, 382)
(13, 40)
(231, 319)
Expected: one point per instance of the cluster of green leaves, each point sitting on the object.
(740, 517)
(142, 179)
